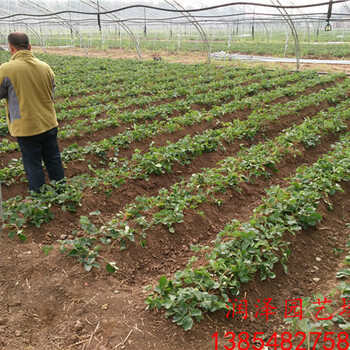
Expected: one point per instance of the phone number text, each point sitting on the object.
(285, 341)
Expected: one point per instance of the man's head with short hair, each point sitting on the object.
(18, 41)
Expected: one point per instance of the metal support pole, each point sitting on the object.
(98, 16)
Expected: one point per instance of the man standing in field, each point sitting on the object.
(28, 85)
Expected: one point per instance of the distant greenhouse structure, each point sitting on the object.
(172, 27)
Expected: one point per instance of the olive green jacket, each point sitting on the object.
(28, 85)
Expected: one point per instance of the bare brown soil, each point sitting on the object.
(51, 302)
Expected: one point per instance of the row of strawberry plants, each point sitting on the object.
(19, 213)
(179, 91)
(255, 161)
(150, 162)
(135, 78)
(164, 90)
(170, 125)
(132, 79)
(160, 160)
(116, 118)
(201, 187)
(8, 146)
(244, 249)
(115, 115)
(77, 76)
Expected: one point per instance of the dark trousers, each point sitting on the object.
(38, 148)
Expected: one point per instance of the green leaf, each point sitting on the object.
(21, 236)
(111, 267)
(187, 323)
(87, 267)
(96, 265)
(345, 326)
(171, 230)
(306, 326)
(343, 273)
(47, 249)
(162, 282)
(196, 313)
(12, 234)
(244, 276)
(168, 303)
